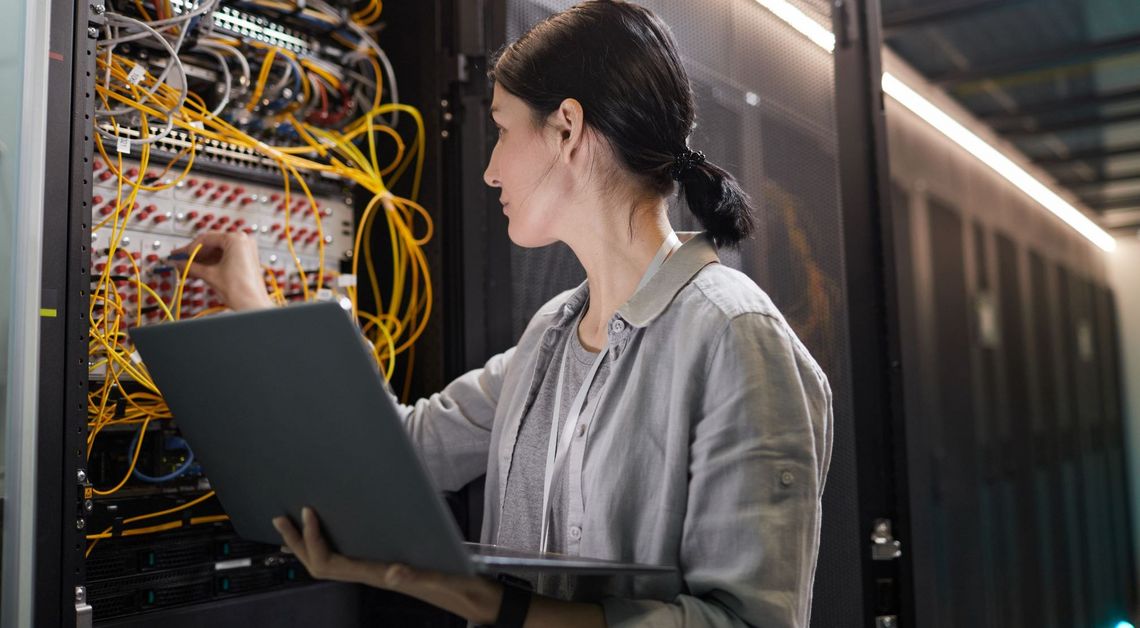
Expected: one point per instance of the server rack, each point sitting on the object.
(428, 57)
(818, 167)
(1014, 429)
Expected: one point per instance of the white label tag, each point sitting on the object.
(324, 294)
(136, 358)
(136, 75)
(123, 145)
(345, 281)
(197, 124)
(236, 563)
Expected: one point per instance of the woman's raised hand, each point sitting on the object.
(229, 263)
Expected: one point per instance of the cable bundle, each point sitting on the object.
(293, 109)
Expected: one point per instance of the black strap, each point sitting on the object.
(513, 608)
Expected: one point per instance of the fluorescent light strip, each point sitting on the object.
(798, 20)
(955, 131)
(994, 158)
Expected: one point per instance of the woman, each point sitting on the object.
(691, 427)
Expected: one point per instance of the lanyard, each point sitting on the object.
(558, 445)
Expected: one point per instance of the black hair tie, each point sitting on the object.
(685, 161)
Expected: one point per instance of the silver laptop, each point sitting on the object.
(286, 408)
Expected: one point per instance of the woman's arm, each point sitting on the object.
(451, 429)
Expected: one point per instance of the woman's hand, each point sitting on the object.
(230, 264)
(475, 599)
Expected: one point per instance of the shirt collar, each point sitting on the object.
(696, 252)
(677, 271)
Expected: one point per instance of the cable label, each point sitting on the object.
(136, 75)
(345, 281)
(123, 145)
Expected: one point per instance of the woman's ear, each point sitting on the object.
(568, 120)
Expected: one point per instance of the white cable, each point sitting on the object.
(183, 90)
(171, 49)
(225, 72)
(237, 54)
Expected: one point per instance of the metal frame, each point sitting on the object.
(1095, 190)
(63, 355)
(1062, 105)
(911, 17)
(1079, 183)
(1052, 58)
(1094, 154)
(1120, 203)
(480, 246)
(1070, 124)
(873, 313)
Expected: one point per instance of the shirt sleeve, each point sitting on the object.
(759, 454)
(451, 430)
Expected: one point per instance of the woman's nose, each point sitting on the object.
(491, 174)
(491, 178)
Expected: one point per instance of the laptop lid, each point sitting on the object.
(286, 408)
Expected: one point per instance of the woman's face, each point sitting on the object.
(525, 168)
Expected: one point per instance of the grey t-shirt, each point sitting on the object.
(522, 506)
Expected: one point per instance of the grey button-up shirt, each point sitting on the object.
(708, 448)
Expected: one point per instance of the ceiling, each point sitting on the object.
(1060, 79)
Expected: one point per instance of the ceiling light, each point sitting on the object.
(995, 159)
(955, 131)
(798, 20)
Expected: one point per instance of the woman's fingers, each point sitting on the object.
(312, 549)
(315, 546)
(292, 538)
(229, 262)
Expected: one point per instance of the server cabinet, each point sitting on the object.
(176, 578)
(921, 435)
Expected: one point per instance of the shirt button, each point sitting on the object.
(581, 430)
(786, 478)
(575, 532)
(617, 326)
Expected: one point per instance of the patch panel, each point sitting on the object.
(161, 221)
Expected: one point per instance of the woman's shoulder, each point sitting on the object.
(726, 293)
(745, 310)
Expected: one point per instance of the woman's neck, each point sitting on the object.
(615, 262)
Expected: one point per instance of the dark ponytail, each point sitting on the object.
(715, 198)
(620, 62)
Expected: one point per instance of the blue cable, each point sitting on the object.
(174, 442)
